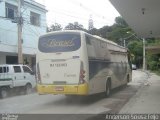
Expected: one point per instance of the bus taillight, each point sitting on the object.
(82, 74)
(38, 74)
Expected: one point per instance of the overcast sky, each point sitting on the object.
(69, 11)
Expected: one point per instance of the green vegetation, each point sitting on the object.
(136, 48)
(153, 60)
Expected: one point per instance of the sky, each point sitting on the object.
(69, 11)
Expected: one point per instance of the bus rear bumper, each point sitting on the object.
(63, 89)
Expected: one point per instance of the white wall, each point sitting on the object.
(2, 59)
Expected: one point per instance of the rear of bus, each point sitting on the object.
(62, 64)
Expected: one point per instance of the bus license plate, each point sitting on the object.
(59, 88)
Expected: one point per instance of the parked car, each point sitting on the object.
(134, 67)
(16, 77)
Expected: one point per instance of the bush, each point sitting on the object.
(152, 65)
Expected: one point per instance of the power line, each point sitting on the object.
(63, 20)
(88, 9)
(11, 30)
(24, 9)
(33, 34)
(66, 11)
(66, 14)
(63, 14)
(16, 45)
(69, 15)
(32, 31)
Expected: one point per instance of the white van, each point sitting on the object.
(14, 77)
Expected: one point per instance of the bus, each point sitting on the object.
(74, 62)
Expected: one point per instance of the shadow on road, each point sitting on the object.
(123, 92)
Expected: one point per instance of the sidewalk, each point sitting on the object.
(147, 99)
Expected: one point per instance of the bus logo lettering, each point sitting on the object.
(57, 43)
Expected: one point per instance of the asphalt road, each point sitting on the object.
(60, 104)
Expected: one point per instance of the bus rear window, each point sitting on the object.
(62, 42)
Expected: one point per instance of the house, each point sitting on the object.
(34, 25)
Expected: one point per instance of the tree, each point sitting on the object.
(54, 27)
(70, 26)
(118, 33)
(104, 31)
(94, 31)
(121, 22)
(136, 48)
(75, 26)
(153, 60)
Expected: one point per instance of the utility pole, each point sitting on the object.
(144, 55)
(19, 24)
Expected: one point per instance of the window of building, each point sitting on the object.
(11, 11)
(35, 19)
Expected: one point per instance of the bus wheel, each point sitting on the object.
(3, 92)
(108, 88)
(28, 88)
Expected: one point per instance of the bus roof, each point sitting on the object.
(109, 41)
(62, 31)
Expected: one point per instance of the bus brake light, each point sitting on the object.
(38, 74)
(82, 74)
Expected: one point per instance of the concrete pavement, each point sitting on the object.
(59, 104)
(147, 99)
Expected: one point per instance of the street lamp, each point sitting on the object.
(124, 39)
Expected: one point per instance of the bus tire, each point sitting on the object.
(28, 88)
(108, 88)
(3, 92)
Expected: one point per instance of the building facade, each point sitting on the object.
(34, 25)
